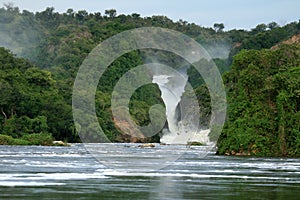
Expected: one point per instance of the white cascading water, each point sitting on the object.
(172, 86)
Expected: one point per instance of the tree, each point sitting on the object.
(272, 25)
(219, 27)
(259, 28)
(97, 16)
(70, 11)
(135, 15)
(111, 13)
(81, 15)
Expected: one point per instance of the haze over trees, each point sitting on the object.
(36, 83)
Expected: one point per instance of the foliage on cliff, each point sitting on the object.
(30, 101)
(264, 103)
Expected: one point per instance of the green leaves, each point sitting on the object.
(263, 95)
(30, 101)
(19, 126)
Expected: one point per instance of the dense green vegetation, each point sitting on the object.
(36, 84)
(45, 139)
(264, 103)
(30, 100)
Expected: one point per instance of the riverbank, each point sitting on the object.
(43, 139)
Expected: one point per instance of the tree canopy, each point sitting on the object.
(36, 83)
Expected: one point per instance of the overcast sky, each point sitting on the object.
(238, 14)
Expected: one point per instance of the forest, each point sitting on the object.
(40, 54)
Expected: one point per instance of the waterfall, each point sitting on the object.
(171, 92)
(180, 130)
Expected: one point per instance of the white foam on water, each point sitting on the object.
(201, 176)
(31, 183)
(27, 177)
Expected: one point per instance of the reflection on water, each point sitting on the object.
(72, 173)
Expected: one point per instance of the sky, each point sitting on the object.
(235, 14)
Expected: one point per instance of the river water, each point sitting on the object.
(36, 172)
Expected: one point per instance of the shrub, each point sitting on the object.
(45, 139)
(20, 142)
(6, 140)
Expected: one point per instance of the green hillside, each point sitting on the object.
(48, 47)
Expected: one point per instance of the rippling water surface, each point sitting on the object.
(35, 172)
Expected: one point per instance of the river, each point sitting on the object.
(36, 172)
